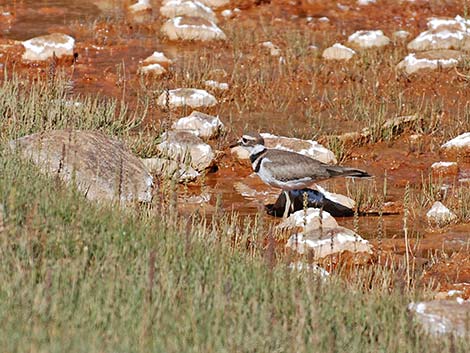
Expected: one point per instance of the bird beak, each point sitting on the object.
(238, 143)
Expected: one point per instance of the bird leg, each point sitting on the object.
(288, 205)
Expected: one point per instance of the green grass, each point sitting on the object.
(85, 277)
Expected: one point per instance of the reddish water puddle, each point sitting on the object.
(110, 49)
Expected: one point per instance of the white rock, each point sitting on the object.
(440, 38)
(338, 52)
(194, 8)
(273, 49)
(170, 169)
(240, 153)
(222, 86)
(157, 58)
(440, 214)
(196, 199)
(308, 148)
(190, 97)
(152, 69)
(156, 64)
(338, 198)
(460, 141)
(369, 39)
(227, 13)
(443, 317)
(324, 19)
(205, 126)
(311, 268)
(42, 48)
(310, 220)
(365, 2)
(192, 28)
(140, 6)
(401, 34)
(439, 165)
(313, 47)
(457, 22)
(181, 145)
(330, 241)
(431, 60)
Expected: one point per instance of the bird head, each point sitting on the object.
(250, 142)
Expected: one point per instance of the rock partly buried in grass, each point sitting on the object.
(445, 168)
(193, 8)
(431, 60)
(185, 147)
(443, 317)
(203, 125)
(400, 35)
(338, 52)
(369, 39)
(443, 33)
(458, 146)
(310, 268)
(214, 85)
(192, 28)
(152, 70)
(103, 168)
(387, 129)
(140, 6)
(186, 97)
(167, 168)
(439, 215)
(157, 58)
(156, 64)
(322, 236)
(44, 47)
(274, 50)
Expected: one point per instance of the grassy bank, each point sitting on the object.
(80, 277)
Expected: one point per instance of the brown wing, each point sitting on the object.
(286, 165)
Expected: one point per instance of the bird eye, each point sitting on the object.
(244, 140)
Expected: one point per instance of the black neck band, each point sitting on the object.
(254, 157)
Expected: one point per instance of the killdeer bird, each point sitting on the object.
(290, 170)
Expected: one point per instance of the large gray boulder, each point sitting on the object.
(102, 167)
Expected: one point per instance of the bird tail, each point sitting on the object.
(351, 172)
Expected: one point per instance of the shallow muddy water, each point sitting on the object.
(110, 44)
